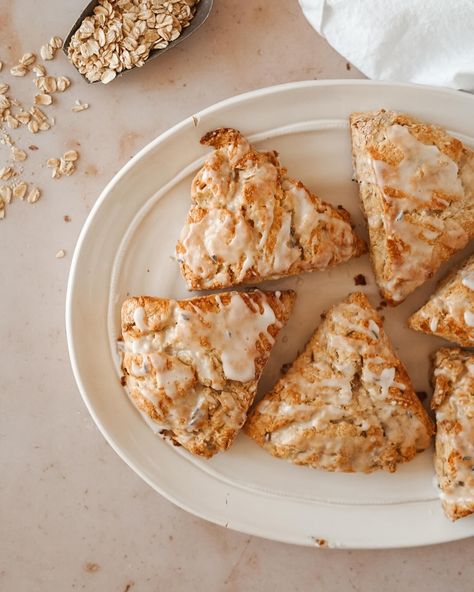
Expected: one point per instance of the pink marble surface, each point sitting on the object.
(73, 516)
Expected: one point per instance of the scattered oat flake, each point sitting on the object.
(66, 168)
(56, 42)
(18, 154)
(43, 99)
(33, 195)
(6, 140)
(6, 194)
(52, 162)
(59, 255)
(12, 122)
(39, 70)
(32, 147)
(37, 114)
(23, 117)
(80, 106)
(71, 156)
(6, 173)
(3, 88)
(62, 83)
(19, 190)
(33, 126)
(28, 59)
(1, 66)
(48, 84)
(18, 70)
(46, 52)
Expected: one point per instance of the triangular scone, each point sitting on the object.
(449, 312)
(453, 402)
(192, 366)
(417, 189)
(346, 403)
(250, 222)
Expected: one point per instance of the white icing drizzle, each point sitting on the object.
(469, 318)
(139, 318)
(434, 323)
(239, 338)
(318, 420)
(424, 176)
(349, 377)
(141, 345)
(374, 328)
(239, 209)
(303, 207)
(357, 327)
(468, 280)
(386, 380)
(233, 332)
(218, 235)
(423, 171)
(285, 254)
(182, 369)
(455, 433)
(172, 375)
(453, 303)
(283, 408)
(139, 370)
(150, 396)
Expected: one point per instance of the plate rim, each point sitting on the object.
(235, 524)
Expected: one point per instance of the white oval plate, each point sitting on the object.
(126, 247)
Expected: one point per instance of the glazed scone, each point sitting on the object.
(453, 402)
(250, 222)
(449, 313)
(346, 403)
(192, 366)
(416, 185)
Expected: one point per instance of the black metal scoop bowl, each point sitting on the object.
(203, 9)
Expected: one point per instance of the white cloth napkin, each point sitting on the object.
(423, 41)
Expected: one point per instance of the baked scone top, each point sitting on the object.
(453, 401)
(449, 312)
(417, 188)
(192, 366)
(346, 403)
(249, 221)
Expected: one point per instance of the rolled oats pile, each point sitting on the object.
(120, 34)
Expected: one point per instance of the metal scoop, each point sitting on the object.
(203, 9)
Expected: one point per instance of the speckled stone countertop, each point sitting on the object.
(73, 515)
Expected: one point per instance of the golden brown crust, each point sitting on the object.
(220, 137)
(449, 313)
(417, 191)
(192, 366)
(250, 222)
(346, 403)
(453, 401)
